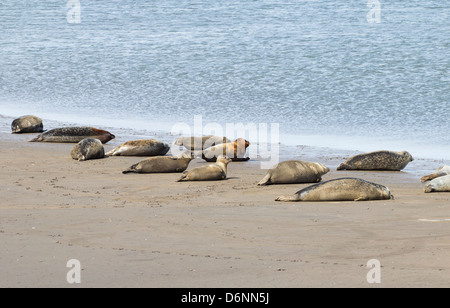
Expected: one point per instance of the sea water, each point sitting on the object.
(354, 74)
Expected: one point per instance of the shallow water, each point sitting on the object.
(318, 68)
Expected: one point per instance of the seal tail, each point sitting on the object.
(265, 180)
(292, 198)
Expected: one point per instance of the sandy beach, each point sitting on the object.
(147, 230)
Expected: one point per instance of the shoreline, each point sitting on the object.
(147, 230)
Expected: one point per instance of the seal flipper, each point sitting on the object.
(131, 169)
(183, 177)
(265, 180)
(292, 198)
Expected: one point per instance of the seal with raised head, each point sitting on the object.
(199, 143)
(443, 171)
(27, 124)
(294, 172)
(73, 135)
(235, 150)
(344, 189)
(150, 147)
(379, 160)
(88, 148)
(161, 164)
(213, 172)
(440, 184)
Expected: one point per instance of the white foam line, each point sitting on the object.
(434, 220)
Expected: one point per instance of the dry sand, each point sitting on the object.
(139, 230)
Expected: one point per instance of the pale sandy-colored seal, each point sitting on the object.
(235, 150)
(294, 172)
(440, 184)
(344, 189)
(27, 124)
(161, 164)
(443, 171)
(379, 160)
(88, 148)
(73, 135)
(150, 147)
(198, 143)
(213, 172)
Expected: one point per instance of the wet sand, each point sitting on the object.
(147, 230)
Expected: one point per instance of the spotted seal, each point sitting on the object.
(294, 171)
(73, 135)
(213, 172)
(150, 147)
(344, 189)
(379, 160)
(27, 124)
(88, 148)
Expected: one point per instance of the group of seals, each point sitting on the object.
(221, 150)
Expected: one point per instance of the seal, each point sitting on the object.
(443, 171)
(440, 184)
(294, 172)
(27, 124)
(213, 172)
(88, 148)
(379, 160)
(199, 143)
(73, 135)
(162, 164)
(344, 189)
(150, 147)
(235, 150)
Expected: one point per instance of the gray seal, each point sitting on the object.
(88, 149)
(213, 172)
(443, 171)
(379, 160)
(150, 147)
(73, 135)
(440, 184)
(344, 189)
(161, 164)
(294, 172)
(27, 124)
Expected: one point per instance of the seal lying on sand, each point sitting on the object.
(199, 143)
(345, 189)
(161, 164)
(380, 160)
(235, 150)
(294, 171)
(213, 172)
(440, 184)
(149, 147)
(27, 124)
(443, 171)
(88, 149)
(73, 135)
